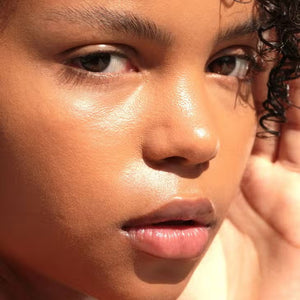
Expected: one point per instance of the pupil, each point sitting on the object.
(224, 65)
(96, 62)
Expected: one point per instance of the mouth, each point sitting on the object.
(178, 230)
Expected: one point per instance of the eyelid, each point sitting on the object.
(244, 52)
(120, 50)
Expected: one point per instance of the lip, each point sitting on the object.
(178, 230)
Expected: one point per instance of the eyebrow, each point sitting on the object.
(249, 27)
(131, 24)
(112, 21)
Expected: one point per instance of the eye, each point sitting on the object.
(232, 65)
(103, 62)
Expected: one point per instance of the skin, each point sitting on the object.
(78, 158)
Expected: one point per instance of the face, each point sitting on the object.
(117, 116)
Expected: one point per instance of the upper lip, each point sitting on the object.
(200, 211)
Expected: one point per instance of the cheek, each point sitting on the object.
(237, 129)
(60, 167)
(236, 150)
(52, 157)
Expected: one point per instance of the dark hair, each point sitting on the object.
(283, 16)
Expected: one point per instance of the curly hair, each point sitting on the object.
(283, 16)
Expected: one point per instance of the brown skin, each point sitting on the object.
(79, 158)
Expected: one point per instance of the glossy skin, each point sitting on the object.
(81, 155)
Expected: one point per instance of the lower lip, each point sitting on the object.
(171, 242)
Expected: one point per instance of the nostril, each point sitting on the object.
(181, 163)
(176, 160)
(180, 166)
(170, 161)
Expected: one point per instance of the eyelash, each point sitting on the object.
(76, 75)
(254, 65)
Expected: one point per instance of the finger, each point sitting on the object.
(289, 146)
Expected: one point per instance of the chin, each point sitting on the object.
(168, 289)
(148, 278)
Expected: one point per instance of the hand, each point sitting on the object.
(261, 235)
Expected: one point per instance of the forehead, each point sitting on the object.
(181, 17)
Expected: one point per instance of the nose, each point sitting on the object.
(181, 131)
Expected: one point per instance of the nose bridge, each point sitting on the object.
(188, 100)
(185, 127)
